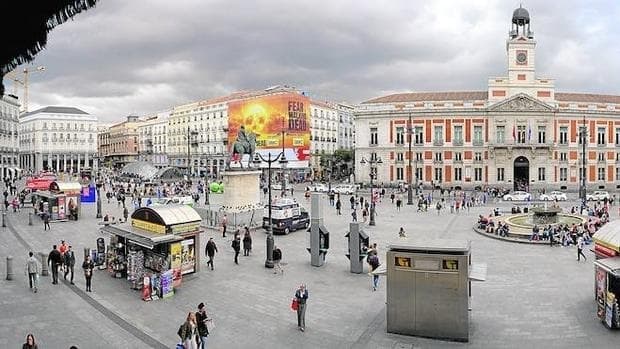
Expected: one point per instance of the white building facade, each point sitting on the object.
(346, 126)
(60, 139)
(152, 138)
(324, 133)
(9, 124)
(519, 134)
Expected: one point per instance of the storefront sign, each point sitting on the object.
(148, 226)
(188, 254)
(175, 255)
(185, 227)
(403, 262)
(166, 284)
(146, 288)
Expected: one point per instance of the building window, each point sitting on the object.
(438, 134)
(564, 135)
(400, 135)
(541, 173)
(438, 175)
(439, 156)
(618, 173)
(418, 157)
(458, 134)
(583, 133)
(374, 136)
(563, 174)
(477, 156)
(418, 173)
(617, 140)
(600, 136)
(563, 157)
(458, 156)
(521, 131)
(478, 174)
(601, 174)
(478, 135)
(418, 135)
(500, 174)
(601, 157)
(500, 134)
(399, 174)
(400, 157)
(542, 134)
(458, 174)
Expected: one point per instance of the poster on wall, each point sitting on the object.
(280, 121)
(175, 255)
(155, 287)
(188, 255)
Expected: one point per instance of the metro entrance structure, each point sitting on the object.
(519, 134)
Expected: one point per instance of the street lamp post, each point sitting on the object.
(98, 185)
(410, 174)
(269, 240)
(190, 143)
(373, 172)
(583, 133)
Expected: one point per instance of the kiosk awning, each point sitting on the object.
(609, 235)
(168, 215)
(610, 265)
(142, 238)
(67, 187)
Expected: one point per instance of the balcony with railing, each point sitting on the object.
(477, 142)
(457, 142)
(438, 142)
(512, 144)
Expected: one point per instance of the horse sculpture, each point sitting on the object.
(240, 147)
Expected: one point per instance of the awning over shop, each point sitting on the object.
(609, 235)
(66, 187)
(611, 265)
(167, 215)
(142, 238)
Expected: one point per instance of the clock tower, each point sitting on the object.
(521, 52)
(521, 48)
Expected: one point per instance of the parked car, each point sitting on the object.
(347, 189)
(552, 196)
(318, 187)
(598, 196)
(517, 196)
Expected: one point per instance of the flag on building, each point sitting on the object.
(529, 132)
(514, 134)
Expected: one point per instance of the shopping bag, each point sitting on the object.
(180, 346)
(294, 305)
(210, 325)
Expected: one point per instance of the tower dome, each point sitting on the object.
(520, 16)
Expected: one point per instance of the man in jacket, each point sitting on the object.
(69, 262)
(32, 269)
(210, 251)
(236, 245)
(55, 259)
(201, 323)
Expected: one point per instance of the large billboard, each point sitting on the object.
(268, 117)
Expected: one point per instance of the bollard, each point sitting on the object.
(9, 267)
(44, 269)
(29, 218)
(4, 219)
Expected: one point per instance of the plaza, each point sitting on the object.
(533, 296)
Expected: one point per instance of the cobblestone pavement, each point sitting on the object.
(534, 295)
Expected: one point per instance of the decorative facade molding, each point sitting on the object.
(520, 103)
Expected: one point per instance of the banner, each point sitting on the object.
(280, 122)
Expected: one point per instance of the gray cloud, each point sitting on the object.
(126, 57)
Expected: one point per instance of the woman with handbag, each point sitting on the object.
(301, 296)
(88, 267)
(188, 332)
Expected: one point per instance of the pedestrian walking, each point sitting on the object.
(69, 260)
(399, 202)
(364, 214)
(247, 242)
(236, 245)
(301, 295)
(277, 258)
(373, 262)
(210, 251)
(125, 213)
(354, 215)
(401, 233)
(580, 244)
(201, 323)
(338, 207)
(224, 224)
(46, 221)
(88, 267)
(30, 342)
(352, 201)
(32, 271)
(188, 332)
(54, 259)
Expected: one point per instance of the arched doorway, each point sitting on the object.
(521, 174)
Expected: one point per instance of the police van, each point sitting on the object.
(286, 216)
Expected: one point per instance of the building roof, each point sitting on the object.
(430, 96)
(483, 95)
(57, 110)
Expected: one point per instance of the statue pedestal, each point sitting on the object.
(241, 191)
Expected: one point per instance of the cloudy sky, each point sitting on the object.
(143, 56)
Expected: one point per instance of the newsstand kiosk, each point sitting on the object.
(156, 250)
(607, 273)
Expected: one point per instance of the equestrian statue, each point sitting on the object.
(244, 144)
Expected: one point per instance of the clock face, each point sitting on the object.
(521, 57)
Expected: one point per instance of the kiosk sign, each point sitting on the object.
(148, 226)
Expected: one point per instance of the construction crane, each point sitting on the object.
(24, 83)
